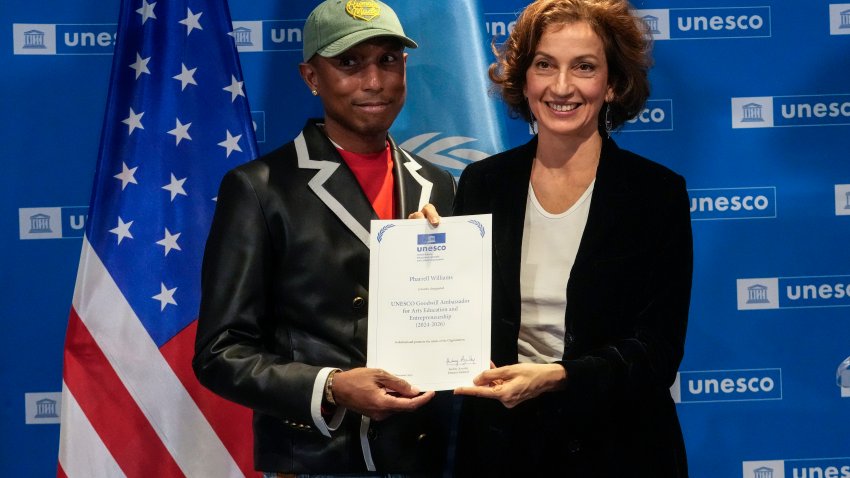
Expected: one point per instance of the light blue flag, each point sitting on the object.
(450, 118)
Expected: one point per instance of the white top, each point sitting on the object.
(549, 247)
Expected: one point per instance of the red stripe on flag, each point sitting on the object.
(112, 412)
(231, 422)
(60, 473)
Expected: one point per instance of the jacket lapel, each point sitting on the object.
(412, 191)
(333, 183)
(509, 195)
(609, 191)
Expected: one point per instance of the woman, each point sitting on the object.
(592, 261)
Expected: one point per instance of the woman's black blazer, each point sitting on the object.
(627, 312)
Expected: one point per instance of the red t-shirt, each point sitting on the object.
(374, 172)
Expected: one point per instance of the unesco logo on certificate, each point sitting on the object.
(430, 247)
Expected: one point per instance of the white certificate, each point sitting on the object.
(429, 300)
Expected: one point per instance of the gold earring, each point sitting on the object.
(315, 92)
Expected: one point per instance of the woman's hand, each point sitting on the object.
(428, 212)
(514, 384)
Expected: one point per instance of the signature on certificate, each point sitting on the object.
(460, 361)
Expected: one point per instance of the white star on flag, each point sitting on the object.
(181, 132)
(146, 11)
(141, 65)
(235, 88)
(134, 121)
(169, 242)
(165, 296)
(231, 143)
(191, 21)
(122, 230)
(175, 187)
(126, 175)
(186, 77)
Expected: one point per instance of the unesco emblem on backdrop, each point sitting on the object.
(842, 199)
(791, 111)
(764, 469)
(42, 408)
(709, 386)
(268, 35)
(34, 39)
(63, 39)
(754, 112)
(242, 36)
(248, 36)
(793, 292)
(707, 23)
(839, 19)
(758, 293)
(798, 468)
(52, 222)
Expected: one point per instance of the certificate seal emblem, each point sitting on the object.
(365, 10)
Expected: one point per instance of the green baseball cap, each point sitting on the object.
(337, 25)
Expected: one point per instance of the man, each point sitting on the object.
(283, 316)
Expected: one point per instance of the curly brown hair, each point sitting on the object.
(627, 49)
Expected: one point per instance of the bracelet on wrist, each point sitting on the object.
(329, 383)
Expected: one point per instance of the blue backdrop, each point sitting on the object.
(750, 102)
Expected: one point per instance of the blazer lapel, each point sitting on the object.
(509, 194)
(333, 183)
(610, 189)
(412, 191)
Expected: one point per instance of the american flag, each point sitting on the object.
(177, 119)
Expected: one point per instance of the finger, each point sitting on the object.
(418, 401)
(406, 404)
(400, 386)
(430, 213)
(484, 392)
(492, 364)
(489, 376)
(416, 215)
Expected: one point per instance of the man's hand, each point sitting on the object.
(428, 212)
(514, 384)
(375, 393)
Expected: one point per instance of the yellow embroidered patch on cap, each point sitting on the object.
(363, 9)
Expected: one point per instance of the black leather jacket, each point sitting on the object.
(285, 292)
